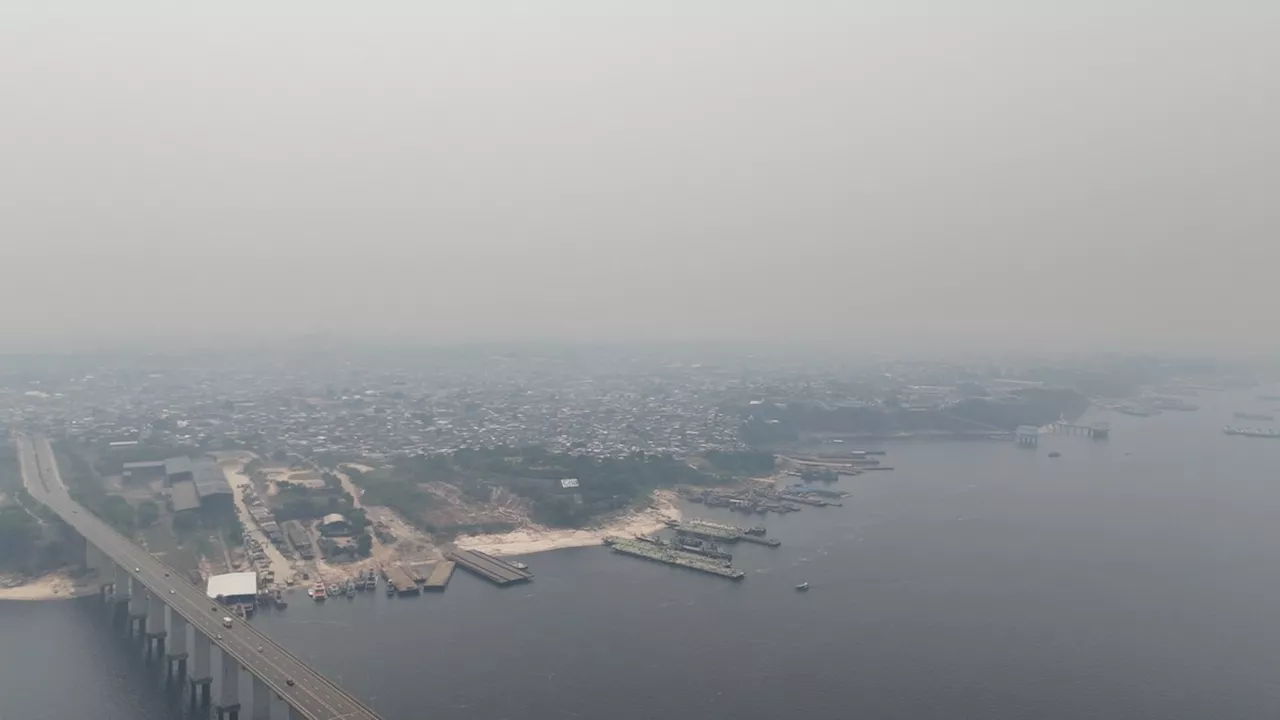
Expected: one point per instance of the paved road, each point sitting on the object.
(311, 694)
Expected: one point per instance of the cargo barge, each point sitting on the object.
(663, 554)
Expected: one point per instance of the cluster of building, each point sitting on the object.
(192, 484)
(601, 404)
(311, 411)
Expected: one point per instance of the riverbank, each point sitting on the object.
(537, 538)
(53, 586)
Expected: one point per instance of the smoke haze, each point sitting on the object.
(851, 173)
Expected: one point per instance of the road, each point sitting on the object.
(311, 694)
(279, 565)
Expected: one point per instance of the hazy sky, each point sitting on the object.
(1087, 175)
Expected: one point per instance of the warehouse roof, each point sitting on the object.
(146, 465)
(210, 480)
(183, 496)
(176, 465)
(233, 584)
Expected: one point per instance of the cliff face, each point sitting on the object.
(770, 425)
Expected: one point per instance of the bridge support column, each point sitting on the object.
(138, 601)
(280, 709)
(120, 584)
(227, 704)
(99, 564)
(201, 676)
(176, 657)
(156, 627)
(261, 700)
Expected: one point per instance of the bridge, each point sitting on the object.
(232, 670)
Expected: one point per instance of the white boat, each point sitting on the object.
(802, 586)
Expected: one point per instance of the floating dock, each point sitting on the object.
(768, 542)
(402, 581)
(440, 576)
(713, 531)
(663, 554)
(723, 533)
(806, 500)
(488, 567)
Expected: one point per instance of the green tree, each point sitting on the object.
(185, 522)
(364, 544)
(148, 513)
(119, 514)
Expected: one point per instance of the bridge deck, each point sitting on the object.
(311, 695)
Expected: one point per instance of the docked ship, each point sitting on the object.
(1255, 416)
(1251, 432)
(318, 592)
(705, 548)
(351, 588)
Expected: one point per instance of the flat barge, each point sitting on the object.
(402, 581)
(488, 567)
(440, 575)
(806, 500)
(663, 554)
(704, 529)
(723, 533)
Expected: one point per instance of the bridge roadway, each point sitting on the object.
(311, 694)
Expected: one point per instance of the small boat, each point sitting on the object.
(802, 586)
(1055, 454)
(519, 565)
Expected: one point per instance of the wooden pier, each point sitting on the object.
(488, 567)
(440, 575)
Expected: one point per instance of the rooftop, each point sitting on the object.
(183, 496)
(210, 479)
(233, 584)
(176, 465)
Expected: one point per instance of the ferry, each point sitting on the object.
(318, 592)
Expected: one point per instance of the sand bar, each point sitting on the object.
(536, 538)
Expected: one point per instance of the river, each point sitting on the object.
(1133, 578)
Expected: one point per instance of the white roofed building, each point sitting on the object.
(233, 587)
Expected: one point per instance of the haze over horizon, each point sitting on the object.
(1078, 178)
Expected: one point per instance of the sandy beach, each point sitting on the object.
(54, 586)
(535, 538)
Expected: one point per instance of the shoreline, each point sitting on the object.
(57, 585)
(536, 538)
